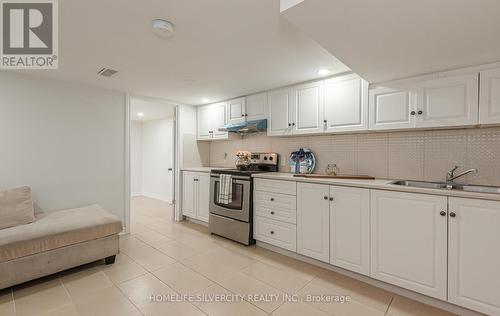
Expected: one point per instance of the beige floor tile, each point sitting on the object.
(282, 279)
(141, 289)
(335, 283)
(348, 307)
(148, 257)
(66, 310)
(402, 306)
(280, 261)
(182, 279)
(230, 258)
(213, 270)
(7, 302)
(203, 244)
(228, 308)
(251, 251)
(82, 283)
(106, 302)
(152, 238)
(298, 309)
(177, 250)
(123, 269)
(40, 296)
(257, 292)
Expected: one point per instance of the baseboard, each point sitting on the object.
(134, 194)
(196, 221)
(366, 279)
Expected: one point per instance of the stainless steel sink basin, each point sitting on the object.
(421, 184)
(449, 186)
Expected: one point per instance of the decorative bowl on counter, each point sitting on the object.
(302, 161)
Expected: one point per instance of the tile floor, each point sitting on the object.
(169, 259)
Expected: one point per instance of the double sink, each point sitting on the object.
(448, 186)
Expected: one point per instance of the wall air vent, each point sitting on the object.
(107, 72)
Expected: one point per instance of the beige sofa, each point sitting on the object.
(57, 241)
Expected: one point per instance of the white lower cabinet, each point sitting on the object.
(474, 254)
(195, 195)
(350, 228)
(313, 220)
(409, 241)
(275, 205)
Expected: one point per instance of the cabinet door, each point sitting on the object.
(489, 97)
(408, 241)
(256, 106)
(189, 194)
(280, 107)
(346, 104)
(313, 224)
(203, 196)
(474, 256)
(391, 108)
(236, 111)
(203, 122)
(308, 108)
(450, 101)
(350, 228)
(218, 120)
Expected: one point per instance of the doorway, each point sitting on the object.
(152, 160)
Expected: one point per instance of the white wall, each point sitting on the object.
(66, 141)
(157, 157)
(136, 158)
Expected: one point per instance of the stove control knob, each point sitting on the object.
(271, 158)
(265, 157)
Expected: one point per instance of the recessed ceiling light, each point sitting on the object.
(205, 100)
(323, 72)
(162, 28)
(140, 114)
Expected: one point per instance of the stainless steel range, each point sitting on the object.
(232, 217)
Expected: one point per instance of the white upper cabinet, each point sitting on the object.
(308, 110)
(236, 111)
(409, 241)
(256, 106)
(345, 104)
(210, 118)
(449, 101)
(313, 223)
(489, 97)
(350, 228)
(391, 108)
(280, 103)
(474, 256)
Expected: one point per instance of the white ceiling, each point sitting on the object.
(220, 49)
(391, 39)
(152, 109)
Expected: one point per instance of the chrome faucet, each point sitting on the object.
(450, 176)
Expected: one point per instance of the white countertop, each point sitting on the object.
(381, 184)
(202, 169)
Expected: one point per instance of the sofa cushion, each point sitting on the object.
(58, 229)
(16, 207)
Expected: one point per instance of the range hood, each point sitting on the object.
(247, 127)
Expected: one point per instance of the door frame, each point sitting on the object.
(176, 157)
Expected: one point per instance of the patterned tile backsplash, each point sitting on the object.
(417, 155)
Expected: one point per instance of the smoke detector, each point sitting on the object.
(162, 28)
(107, 72)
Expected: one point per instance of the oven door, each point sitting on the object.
(239, 208)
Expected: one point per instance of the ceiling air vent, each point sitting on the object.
(107, 72)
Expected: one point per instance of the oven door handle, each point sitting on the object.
(234, 177)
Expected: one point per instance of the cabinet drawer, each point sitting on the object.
(284, 215)
(276, 233)
(276, 186)
(275, 200)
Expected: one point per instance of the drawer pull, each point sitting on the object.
(272, 212)
(325, 197)
(272, 232)
(272, 199)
